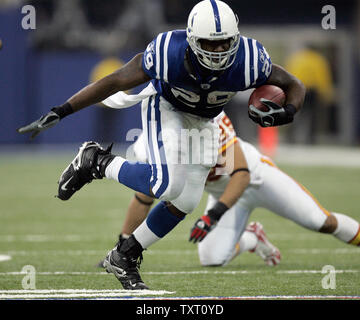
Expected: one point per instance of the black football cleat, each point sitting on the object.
(123, 261)
(100, 264)
(89, 164)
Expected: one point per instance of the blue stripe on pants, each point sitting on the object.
(157, 148)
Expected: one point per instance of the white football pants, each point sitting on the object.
(278, 193)
(181, 148)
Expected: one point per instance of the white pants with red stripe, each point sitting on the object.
(276, 192)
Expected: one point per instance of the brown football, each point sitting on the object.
(269, 92)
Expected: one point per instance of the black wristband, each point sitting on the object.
(145, 203)
(63, 110)
(217, 210)
(290, 109)
(239, 169)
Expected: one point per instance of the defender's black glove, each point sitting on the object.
(47, 121)
(275, 116)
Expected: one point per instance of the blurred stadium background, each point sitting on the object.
(78, 41)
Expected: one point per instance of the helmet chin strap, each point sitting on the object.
(213, 60)
(199, 69)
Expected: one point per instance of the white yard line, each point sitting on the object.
(45, 238)
(349, 250)
(77, 293)
(4, 257)
(78, 238)
(94, 252)
(223, 272)
(139, 295)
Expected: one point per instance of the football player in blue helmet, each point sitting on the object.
(192, 74)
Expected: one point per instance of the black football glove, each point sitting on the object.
(275, 116)
(47, 121)
(201, 228)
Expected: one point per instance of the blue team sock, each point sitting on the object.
(136, 176)
(161, 221)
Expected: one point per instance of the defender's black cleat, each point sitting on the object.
(89, 164)
(123, 261)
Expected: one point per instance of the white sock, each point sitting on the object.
(248, 241)
(113, 168)
(348, 230)
(144, 235)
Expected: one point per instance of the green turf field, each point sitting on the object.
(63, 241)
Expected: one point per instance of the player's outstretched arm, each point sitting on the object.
(127, 77)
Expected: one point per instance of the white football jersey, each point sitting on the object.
(218, 178)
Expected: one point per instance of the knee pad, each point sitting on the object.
(193, 190)
(176, 183)
(213, 252)
(211, 261)
(189, 199)
(209, 257)
(173, 191)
